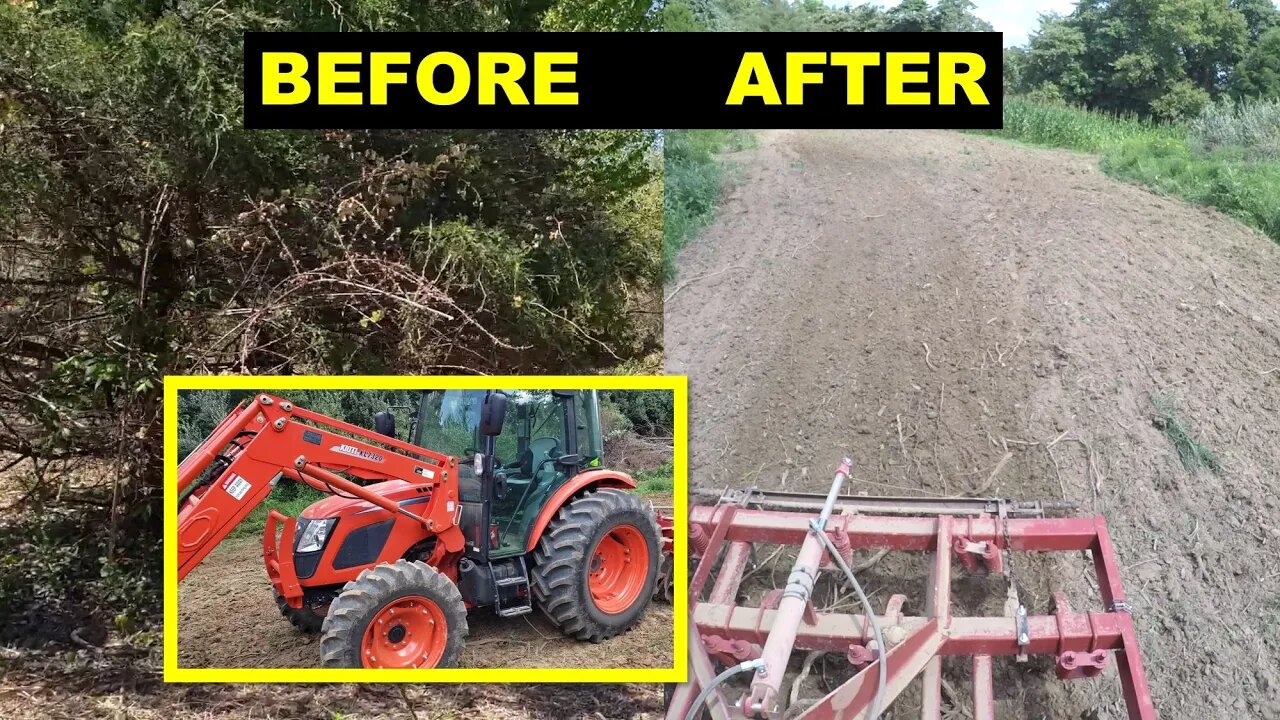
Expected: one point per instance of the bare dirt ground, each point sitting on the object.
(27, 697)
(227, 617)
(931, 302)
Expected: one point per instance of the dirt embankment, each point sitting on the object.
(227, 617)
(931, 303)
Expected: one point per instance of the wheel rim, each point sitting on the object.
(618, 570)
(409, 632)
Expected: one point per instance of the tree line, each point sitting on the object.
(818, 16)
(1166, 59)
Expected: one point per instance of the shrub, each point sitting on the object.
(1253, 127)
(694, 181)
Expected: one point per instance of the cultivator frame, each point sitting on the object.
(977, 532)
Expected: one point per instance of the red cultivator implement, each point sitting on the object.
(892, 648)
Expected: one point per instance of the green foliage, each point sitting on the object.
(1161, 58)
(817, 16)
(659, 481)
(1192, 453)
(1258, 73)
(62, 572)
(290, 498)
(695, 178)
(1076, 128)
(1253, 127)
(644, 412)
(145, 232)
(1247, 190)
(1226, 158)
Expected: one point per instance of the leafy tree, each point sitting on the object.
(144, 232)
(678, 16)
(1259, 15)
(1258, 74)
(910, 16)
(1057, 56)
(816, 15)
(1162, 57)
(957, 16)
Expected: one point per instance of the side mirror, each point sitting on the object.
(384, 423)
(492, 413)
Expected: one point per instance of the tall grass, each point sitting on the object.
(1227, 158)
(694, 178)
(1076, 128)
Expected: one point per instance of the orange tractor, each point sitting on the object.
(387, 568)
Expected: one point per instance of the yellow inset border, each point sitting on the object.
(677, 384)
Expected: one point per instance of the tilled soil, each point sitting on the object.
(227, 617)
(930, 303)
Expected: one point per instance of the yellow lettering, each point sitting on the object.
(753, 80)
(328, 76)
(273, 77)
(380, 77)
(544, 76)
(855, 64)
(898, 76)
(949, 79)
(491, 79)
(426, 78)
(798, 77)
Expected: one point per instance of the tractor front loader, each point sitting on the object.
(411, 538)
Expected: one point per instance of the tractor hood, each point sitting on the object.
(338, 506)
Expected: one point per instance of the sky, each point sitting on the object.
(1017, 19)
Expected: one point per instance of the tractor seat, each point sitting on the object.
(469, 484)
(535, 458)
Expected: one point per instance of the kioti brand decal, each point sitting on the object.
(356, 452)
(236, 486)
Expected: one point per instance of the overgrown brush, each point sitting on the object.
(694, 180)
(1252, 128)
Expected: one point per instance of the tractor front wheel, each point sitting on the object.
(596, 565)
(395, 615)
(306, 618)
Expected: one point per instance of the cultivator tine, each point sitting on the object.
(978, 532)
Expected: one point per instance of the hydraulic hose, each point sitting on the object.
(871, 618)
(699, 703)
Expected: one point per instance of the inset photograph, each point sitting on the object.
(1054, 378)
(404, 529)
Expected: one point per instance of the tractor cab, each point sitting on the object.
(512, 462)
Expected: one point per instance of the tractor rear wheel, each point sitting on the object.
(596, 565)
(395, 615)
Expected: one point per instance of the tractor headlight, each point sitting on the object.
(314, 534)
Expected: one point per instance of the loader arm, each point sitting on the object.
(266, 438)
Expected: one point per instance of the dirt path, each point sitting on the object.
(929, 302)
(227, 617)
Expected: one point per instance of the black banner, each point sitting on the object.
(623, 80)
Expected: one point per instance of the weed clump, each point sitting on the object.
(1193, 454)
